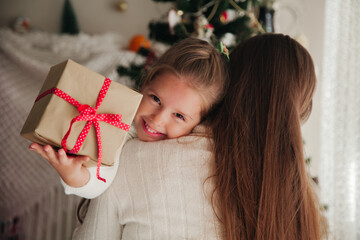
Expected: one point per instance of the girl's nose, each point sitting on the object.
(158, 118)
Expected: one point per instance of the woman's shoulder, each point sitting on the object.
(195, 147)
(168, 180)
(199, 139)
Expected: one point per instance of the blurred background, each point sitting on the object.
(119, 38)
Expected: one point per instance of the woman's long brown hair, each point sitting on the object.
(262, 188)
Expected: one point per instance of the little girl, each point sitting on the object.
(179, 90)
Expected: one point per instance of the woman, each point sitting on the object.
(248, 183)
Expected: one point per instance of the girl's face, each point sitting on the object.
(169, 109)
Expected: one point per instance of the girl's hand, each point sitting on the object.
(69, 167)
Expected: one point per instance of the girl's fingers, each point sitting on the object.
(34, 146)
(51, 154)
(79, 160)
(39, 150)
(65, 159)
(83, 159)
(62, 155)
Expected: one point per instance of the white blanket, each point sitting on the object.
(32, 202)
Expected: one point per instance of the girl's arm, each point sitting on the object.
(94, 187)
(76, 178)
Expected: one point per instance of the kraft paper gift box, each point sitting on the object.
(50, 117)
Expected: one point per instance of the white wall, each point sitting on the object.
(311, 24)
(95, 16)
(314, 19)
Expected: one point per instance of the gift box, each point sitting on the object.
(83, 112)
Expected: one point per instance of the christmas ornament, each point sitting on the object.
(229, 39)
(203, 29)
(174, 18)
(22, 25)
(209, 30)
(137, 42)
(228, 16)
(122, 5)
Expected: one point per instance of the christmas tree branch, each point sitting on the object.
(213, 11)
(251, 16)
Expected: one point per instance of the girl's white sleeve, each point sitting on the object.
(94, 187)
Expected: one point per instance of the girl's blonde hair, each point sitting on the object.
(200, 63)
(262, 188)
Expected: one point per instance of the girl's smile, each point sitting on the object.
(150, 131)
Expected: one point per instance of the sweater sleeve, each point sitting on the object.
(101, 220)
(94, 187)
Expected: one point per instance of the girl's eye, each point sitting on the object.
(178, 115)
(155, 98)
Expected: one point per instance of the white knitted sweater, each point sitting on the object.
(161, 191)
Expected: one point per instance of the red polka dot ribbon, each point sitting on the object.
(89, 114)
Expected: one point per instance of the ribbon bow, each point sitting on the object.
(89, 114)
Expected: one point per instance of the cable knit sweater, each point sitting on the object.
(161, 191)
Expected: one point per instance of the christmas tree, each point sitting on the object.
(69, 23)
(228, 21)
